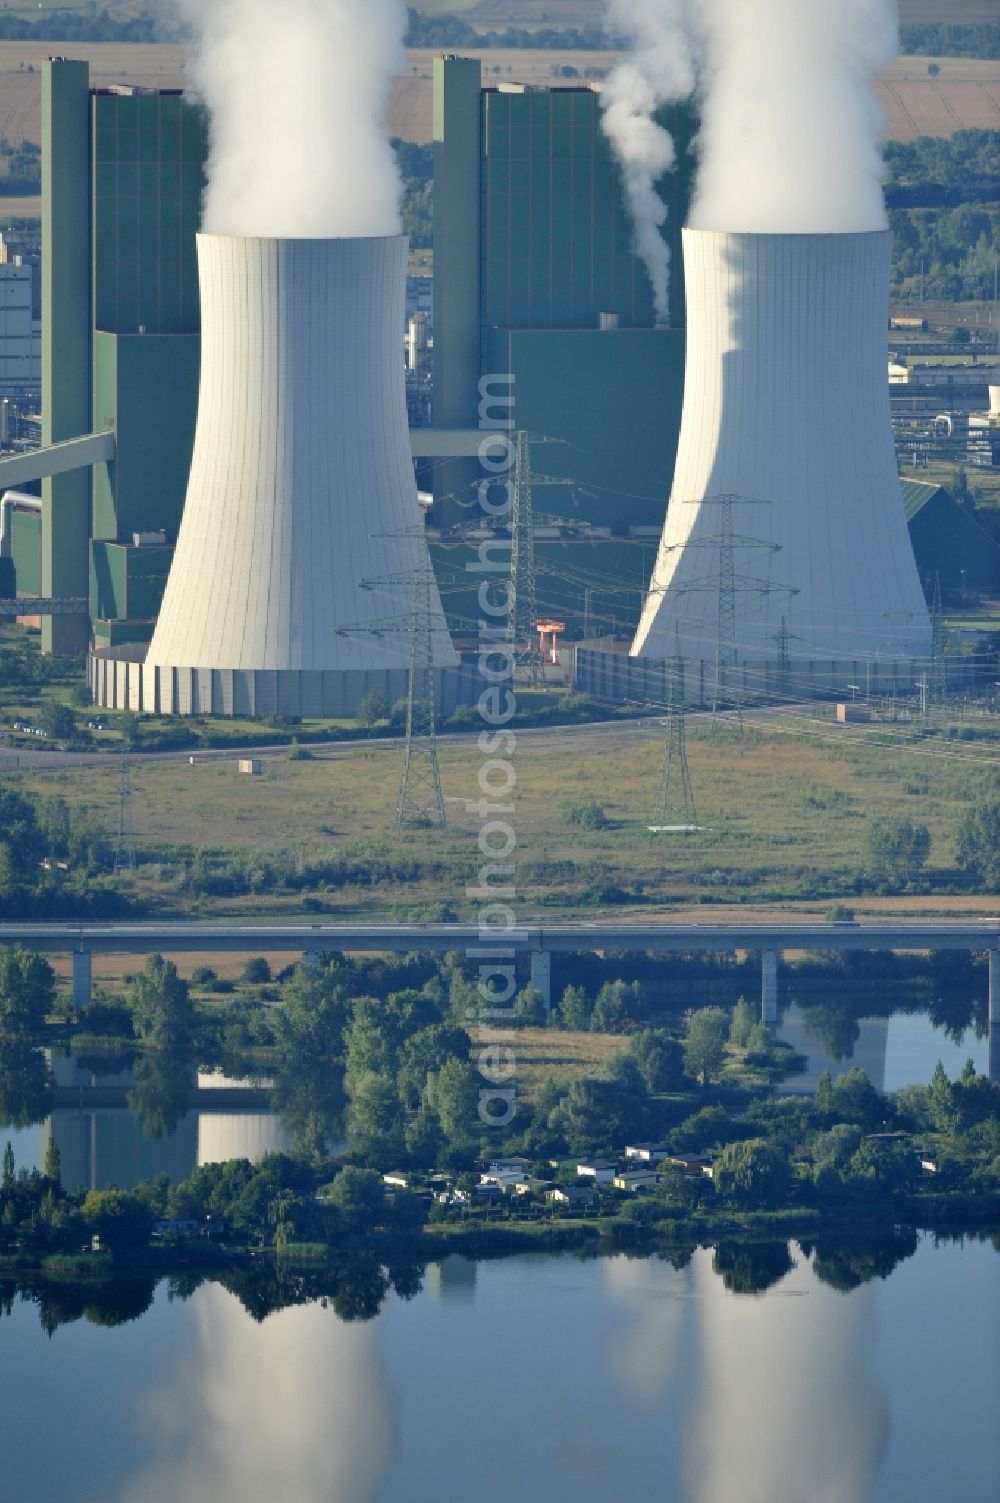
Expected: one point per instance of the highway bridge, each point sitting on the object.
(539, 942)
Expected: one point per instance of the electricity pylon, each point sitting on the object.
(125, 842)
(726, 585)
(523, 593)
(675, 805)
(421, 800)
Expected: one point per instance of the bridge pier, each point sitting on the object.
(541, 977)
(769, 987)
(994, 1016)
(83, 978)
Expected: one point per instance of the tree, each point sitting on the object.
(359, 1195)
(454, 1095)
(896, 851)
(529, 1007)
(57, 721)
(9, 1166)
(742, 1024)
(423, 1054)
(22, 845)
(257, 972)
(941, 1101)
(372, 708)
(369, 1047)
(978, 851)
(855, 1099)
(374, 1111)
(314, 1014)
(753, 1174)
(575, 1009)
(160, 1004)
(615, 1004)
(660, 1060)
(52, 1168)
(120, 1220)
(705, 1044)
(27, 991)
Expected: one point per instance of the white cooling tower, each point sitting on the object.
(290, 590)
(786, 410)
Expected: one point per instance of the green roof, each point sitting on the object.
(916, 494)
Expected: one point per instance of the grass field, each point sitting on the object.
(784, 811)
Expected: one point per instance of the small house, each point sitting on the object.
(691, 1163)
(601, 1171)
(647, 1153)
(633, 1180)
(577, 1197)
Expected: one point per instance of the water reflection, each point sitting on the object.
(298, 1407)
(26, 1085)
(786, 1404)
(739, 1374)
(896, 1049)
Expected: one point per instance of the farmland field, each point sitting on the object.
(966, 93)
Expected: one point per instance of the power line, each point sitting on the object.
(421, 800)
(675, 805)
(125, 842)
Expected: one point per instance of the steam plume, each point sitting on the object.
(791, 129)
(790, 138)
(297, 93)
(660, 70)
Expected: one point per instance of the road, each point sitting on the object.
(208, 938)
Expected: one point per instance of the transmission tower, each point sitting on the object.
(421, 800)
(727, 584)
(675, 806)
(125, 843)
(784, 638)
(523, 609)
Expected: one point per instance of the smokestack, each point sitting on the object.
(786, 410)
(301, 488)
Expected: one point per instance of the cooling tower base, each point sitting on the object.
(615, 678)
(119, 679)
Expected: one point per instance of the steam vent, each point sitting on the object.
(786, 466)
(291, 588)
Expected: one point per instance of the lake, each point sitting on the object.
(602, 1380)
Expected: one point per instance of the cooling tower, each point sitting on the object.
(291, 586)
(786, 413)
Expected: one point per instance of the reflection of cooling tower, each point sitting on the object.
(786, 410)
(301, 488)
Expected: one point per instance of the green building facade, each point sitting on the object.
(536, 279)
(123, 175)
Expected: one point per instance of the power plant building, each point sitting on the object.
(537, 280)
(123, 174)
(292, 588)
(785, 554)
(537, 284)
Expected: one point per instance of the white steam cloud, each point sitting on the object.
(660, 71)
(790, 138)
(791, 132)
(297, 92)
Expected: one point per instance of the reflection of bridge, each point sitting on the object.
(102, 1142)
(82, 941)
